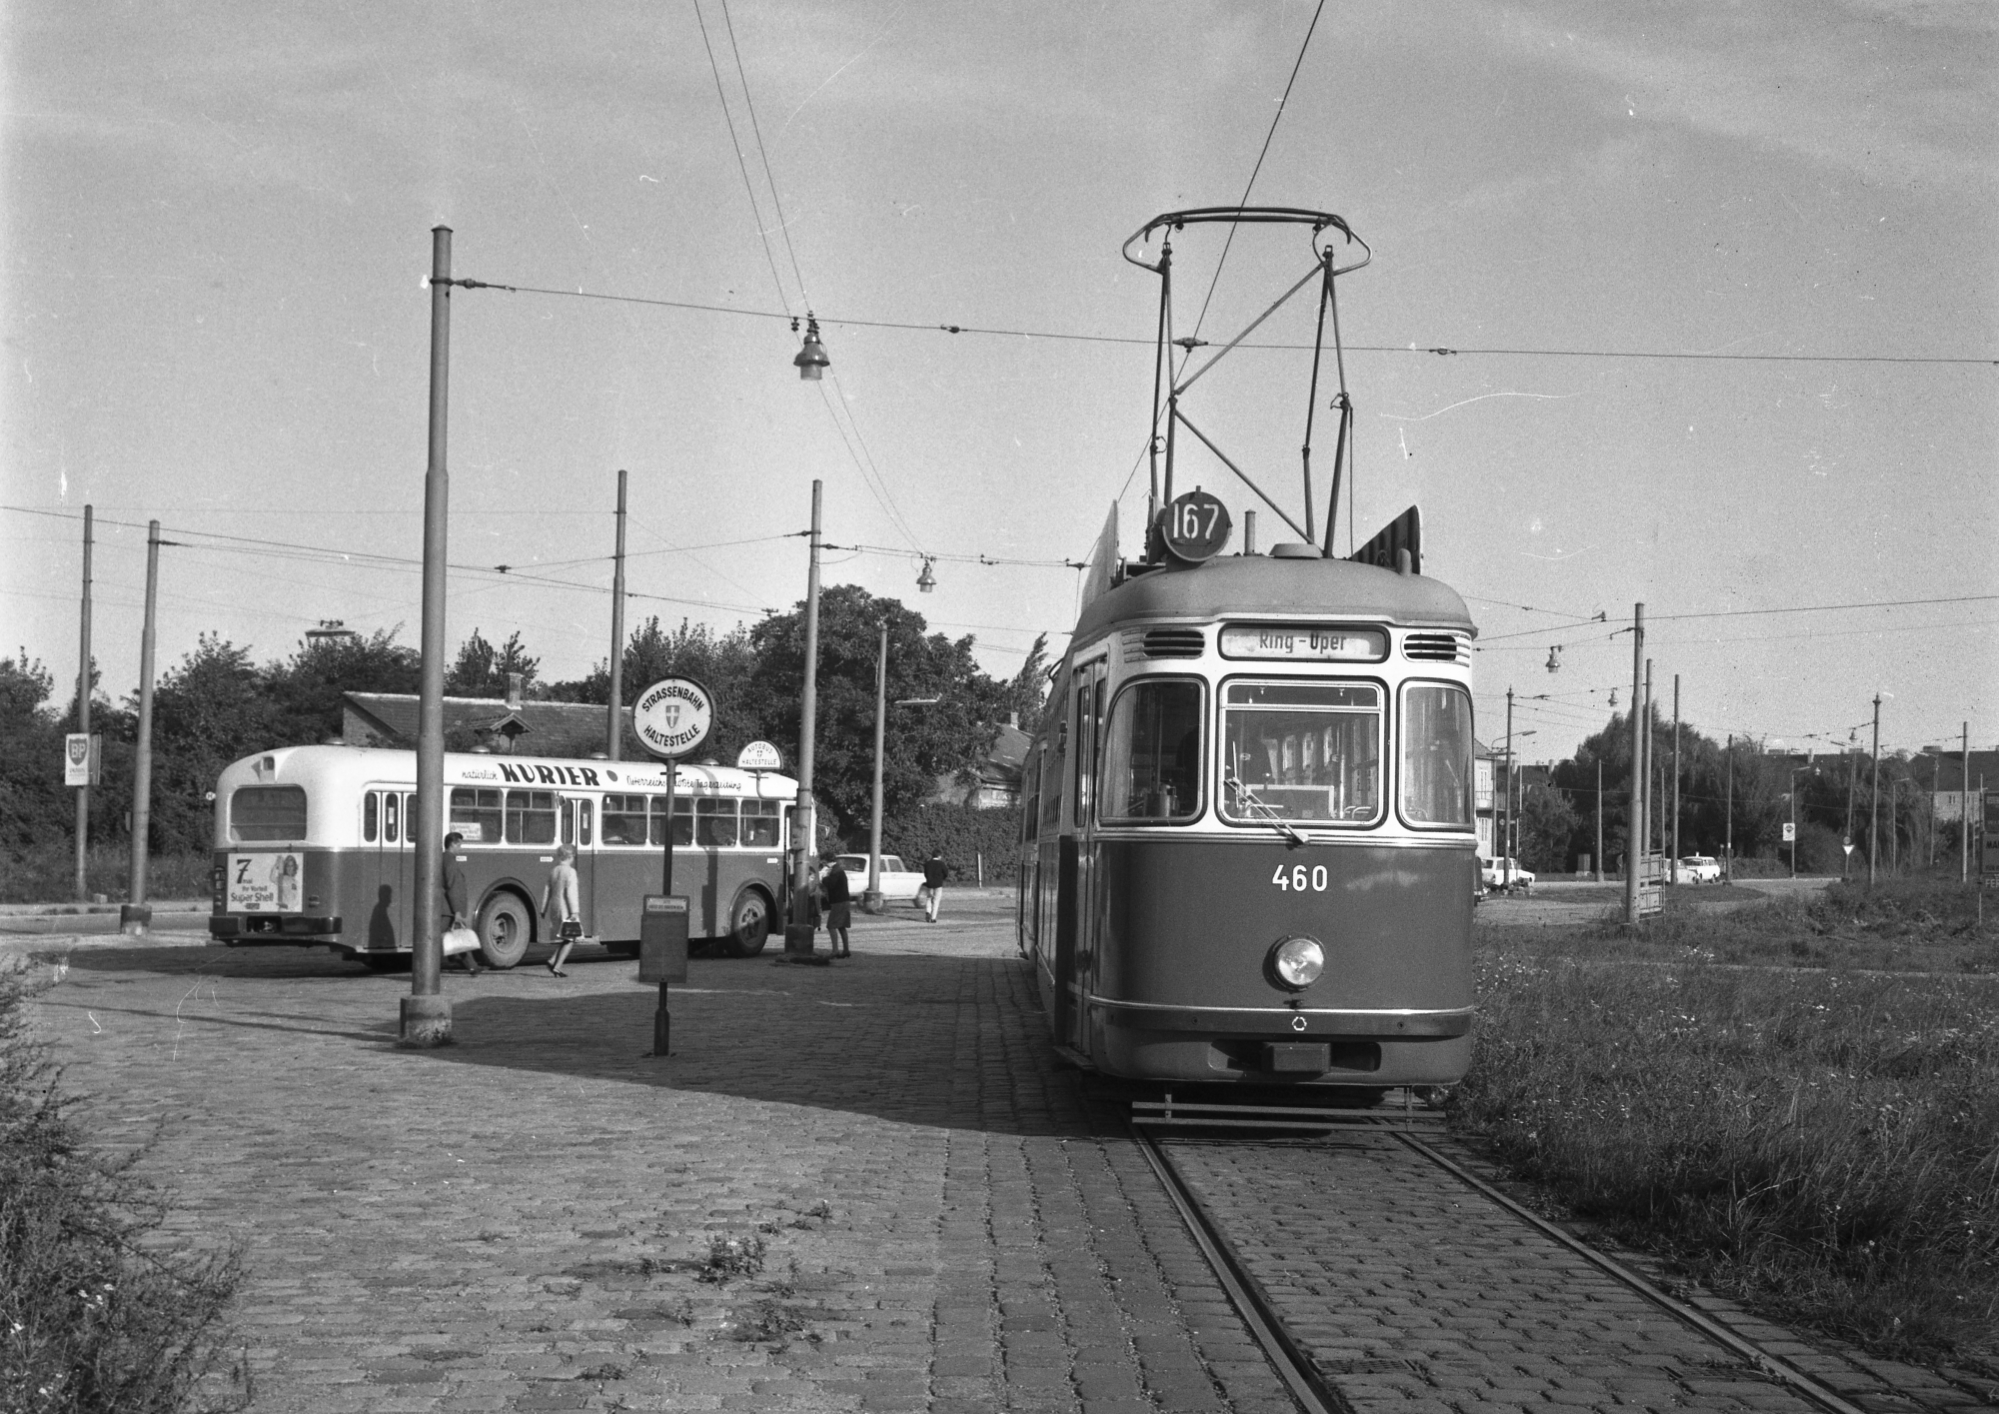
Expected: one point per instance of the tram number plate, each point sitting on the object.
(1299, 879)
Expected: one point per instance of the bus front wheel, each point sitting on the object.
(749, 923)
(505, 931)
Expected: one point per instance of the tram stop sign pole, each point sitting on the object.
(671, 719)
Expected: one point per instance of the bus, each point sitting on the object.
(314, 845)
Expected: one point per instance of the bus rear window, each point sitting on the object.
(264, 813)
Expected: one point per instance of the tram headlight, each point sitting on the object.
(1295, 963)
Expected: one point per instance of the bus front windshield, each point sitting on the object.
(1295, 750)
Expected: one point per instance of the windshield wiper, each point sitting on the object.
(1268, 816)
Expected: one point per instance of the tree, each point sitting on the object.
(1547, 825)
(1029, 688)
(305, 691)
(720, 662)
(208, 711)
(481, 670)
(32, 799)
(922, 744)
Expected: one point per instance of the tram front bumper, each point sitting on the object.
(1245, 1044)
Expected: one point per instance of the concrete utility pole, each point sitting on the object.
(1599, 819)
(426, 1012)
(614, 729)
(135, 916)
(1635, 810)
(1651, 767)
(1676, 778)
(1728, 816)
(798, 934)
(1852, 777)
(83, 720)
(1964, 801)
(1874, 795)
(871, 897)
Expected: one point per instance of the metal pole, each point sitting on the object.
(871, 899)
(1651, 762)
(798, 936)
(1506, 811)
(1728, 828)
(134, 917)
(1964, 812)
(1852, 778)
(426, 1012)
(1676, 778)
(1599, 819)
(83, 719)
(614, 728)
(1794, 822)
(1634, 810)
(1874, 795)
(662, 1019)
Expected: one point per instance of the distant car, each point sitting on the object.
(1496, 874)
(896, 882)
(1697, 869)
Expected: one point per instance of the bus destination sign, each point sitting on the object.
(1304, 643)
(673, 717)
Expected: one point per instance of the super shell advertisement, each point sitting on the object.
(266, 883)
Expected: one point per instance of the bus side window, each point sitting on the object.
(717, 822)
(624, 819)
(371, 805)
(390, 832)
(531, 817)
(760, 823)
(683, 822)
(475, 814)
(583, 812)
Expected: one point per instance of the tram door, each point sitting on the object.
(578, 830)
(1075, 921)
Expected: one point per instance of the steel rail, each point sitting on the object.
(1293, 1366)
(1761, 1359)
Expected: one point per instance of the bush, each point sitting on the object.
(94, 1313)
(46, 873)
(963, 835)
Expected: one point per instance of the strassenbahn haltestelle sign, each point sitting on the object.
(673, 717)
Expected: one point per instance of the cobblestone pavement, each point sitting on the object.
(861, 1187)
(526, 1220)
(1413, 1293)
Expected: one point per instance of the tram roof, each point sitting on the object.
(1258, 585)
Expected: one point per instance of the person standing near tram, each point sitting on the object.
(562, 906)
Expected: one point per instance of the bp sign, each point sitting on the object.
(673, 717)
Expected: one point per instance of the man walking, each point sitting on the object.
(935, 872)
(457, 897)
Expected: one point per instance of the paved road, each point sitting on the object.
(950, 1220)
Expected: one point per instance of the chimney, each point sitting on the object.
(513, 692)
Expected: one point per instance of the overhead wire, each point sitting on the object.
(1264, 152)
(742, 165)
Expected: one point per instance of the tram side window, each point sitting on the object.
(476, 814)
(531, 817)
(1152, 758)
(715, 822)
(1295, 750)
(625, 819)
(267, 813)
(761, 822)
(1436, 755)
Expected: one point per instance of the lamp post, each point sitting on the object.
(871, 898)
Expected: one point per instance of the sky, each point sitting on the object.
(1719, 278)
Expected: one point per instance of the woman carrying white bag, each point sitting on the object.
(459, 939)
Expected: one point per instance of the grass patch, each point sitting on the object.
(97, 1312)
(1822, 1143)
(46, 873)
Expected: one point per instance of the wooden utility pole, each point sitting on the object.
(1599, 818)
(1874, 796)
(1506, 827)
(871, 897)
(614, 729)
(83, 720)
(135, 917)
(1728, 826)
(799, 933)
(1676, 778)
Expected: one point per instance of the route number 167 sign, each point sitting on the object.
(1194, 527)
(673, 717)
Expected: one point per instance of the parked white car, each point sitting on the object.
(1496, 874)
(1697, 869)
(897, 883)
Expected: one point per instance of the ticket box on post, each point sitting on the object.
(663, 938)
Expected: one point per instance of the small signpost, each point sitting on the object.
(671, 719)
(1651, 882)
(82, 759)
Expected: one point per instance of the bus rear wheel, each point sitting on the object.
(749, 923)
(505, 931)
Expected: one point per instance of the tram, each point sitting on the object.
(1249, 849)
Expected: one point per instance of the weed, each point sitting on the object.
(601, 1373)
(1823, 1144)
(731, 1257)
(768, 1320)
(94, 1312)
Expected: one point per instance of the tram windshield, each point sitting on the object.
(1296, 750)
(1152, 760)
(1436, 755)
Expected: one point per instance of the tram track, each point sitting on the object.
(1313, 1386)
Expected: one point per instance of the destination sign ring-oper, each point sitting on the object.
(673, 717)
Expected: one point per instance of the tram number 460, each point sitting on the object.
(1300, 878)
